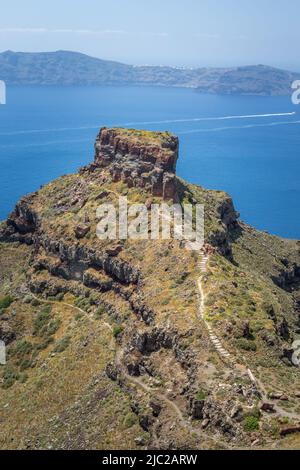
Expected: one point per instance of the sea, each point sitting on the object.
(245, 145)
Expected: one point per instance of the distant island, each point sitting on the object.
(72, 68)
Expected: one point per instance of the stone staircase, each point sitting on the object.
(213, 338)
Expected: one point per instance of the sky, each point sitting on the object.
(170, 32)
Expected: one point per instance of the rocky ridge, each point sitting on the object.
(159, 356)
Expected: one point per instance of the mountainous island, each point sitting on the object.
(143, 344)
(72, 68)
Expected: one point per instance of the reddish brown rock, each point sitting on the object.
(291, 430)
(278, 396)
(140, 159)
(268, 408)
(114, 250)
(82, 230)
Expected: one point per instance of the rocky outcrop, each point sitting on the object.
(288, 276)
(81, 230)
(290, 430)
(212, 414)
(149, 342)
(195, 408)
(23, 219)
(140, 159)
(6, 333)
(222, 237)
(268, 408)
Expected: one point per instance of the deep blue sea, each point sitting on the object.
(247, 146)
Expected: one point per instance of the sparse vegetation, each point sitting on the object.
(62, 344)
(55, 346)
(245, 344)
(5, 302)
(100, 311)
(130, 420)
(117, 330)
(251, 423)
(9, 377)
(201, 395)
(42, 320)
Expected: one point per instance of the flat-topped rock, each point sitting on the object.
(139, 158)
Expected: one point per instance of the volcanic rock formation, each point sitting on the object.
(139, 158)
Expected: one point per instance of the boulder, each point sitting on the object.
(6, 333)
(114, 250)
(268, 408)
(81, 230)
(278, 396)
(111, 371)
(290, 430)
(156, 407)
(196, 408)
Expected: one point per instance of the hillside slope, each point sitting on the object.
(140, 343)
(72, 68)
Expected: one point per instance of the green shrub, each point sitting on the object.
(27, 299)
(251, 423)
(53, 327)
(62, 344)
(25, 364)
(23, 377)
(201, 395)
(92, 300)
(246, 345)
(117, 330)
(60, 296)
(22, 348)
(254, 412)
(5, 302)
(44, 344)
(41, 321)
(100, 311)
(9, 377)
(83, 303)
(130, 420)
(210, 300)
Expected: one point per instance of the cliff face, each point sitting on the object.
(140, 159)
(116, 323)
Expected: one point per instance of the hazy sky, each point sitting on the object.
(177, 32)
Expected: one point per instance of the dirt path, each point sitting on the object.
(138, 382)
(225, 355)
(58, 302)
(185, 423)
